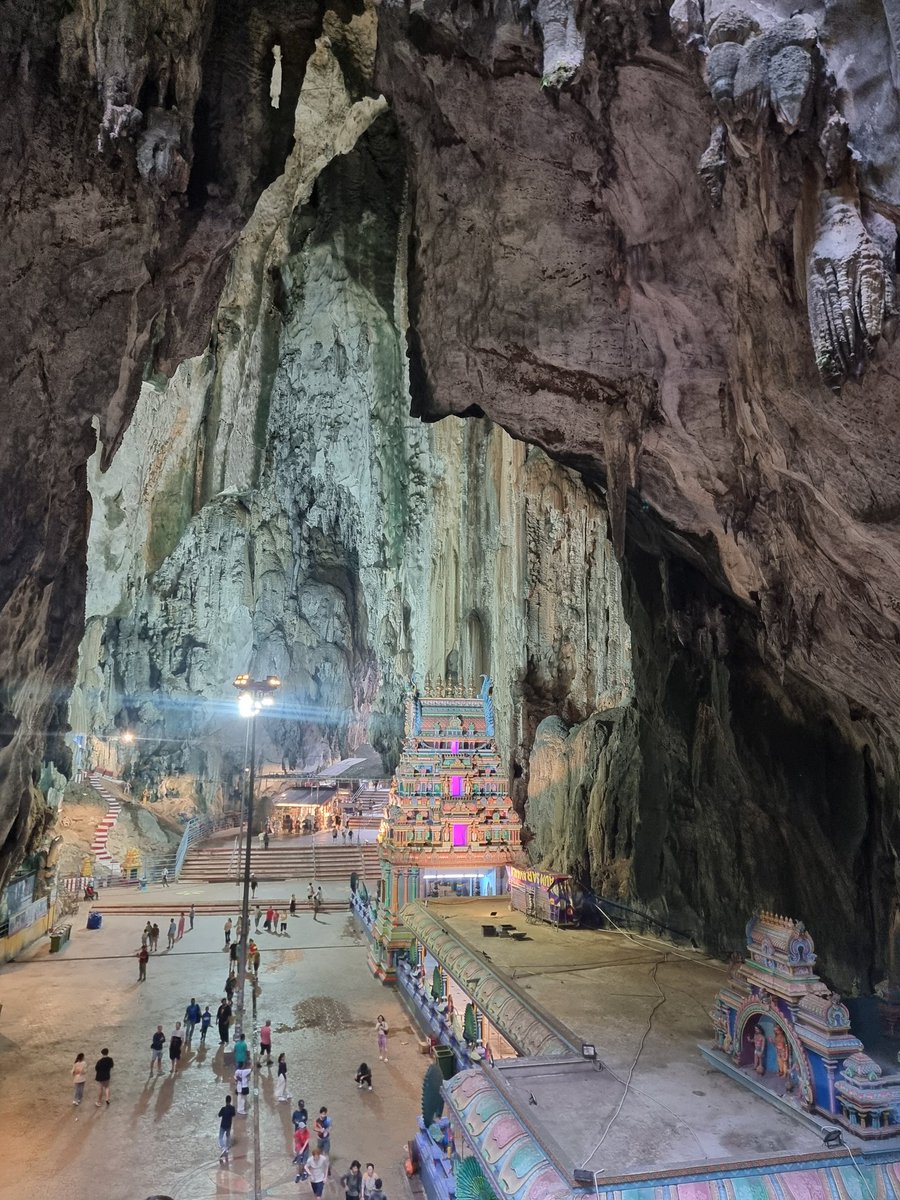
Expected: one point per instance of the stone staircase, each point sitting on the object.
(303, 862)
(99, 850)
(372, 804)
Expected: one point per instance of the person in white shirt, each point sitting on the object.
(317, 1169)
(242, 1088)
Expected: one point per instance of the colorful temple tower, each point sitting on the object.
(449, 828)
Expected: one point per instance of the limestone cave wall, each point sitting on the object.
(547, 337)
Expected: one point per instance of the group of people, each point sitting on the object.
(103, 1069)
(150, 939)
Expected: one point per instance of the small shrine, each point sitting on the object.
(450, 829)
(777, 1020)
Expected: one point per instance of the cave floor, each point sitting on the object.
(159, 1135)
(646, 1007)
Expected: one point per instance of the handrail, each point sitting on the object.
(601, 903)
(196, 830)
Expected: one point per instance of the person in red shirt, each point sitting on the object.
(301, 1148)
(270, 914)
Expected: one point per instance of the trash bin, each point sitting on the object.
(446, 1061)
(95, 920)
(55, 939)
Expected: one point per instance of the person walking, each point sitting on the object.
(230, 985)
(175, 1044)
(238, 929)
(156, 1048)
(349, 835)
(146, 934)
(223, 1016)
(364, 1076)
(284, 929)
(293, 905)
(351, 1182)
(256, 959)
(299, 1115)
(316, 905)
(301, 1149)
(192, 1015)
(173, 929)
(180, 934)
(205, 1022)
(368, 1181)
(319, 896)
(165, 877)
(254, 883)
(256, 919)
(281, 1084)
(226, 1117)
(228, 932)
(233, 958)
(310, 895)
(242, 1088)
(266, 840)
(241, 1050)
(381, 1032)
(265, 1043)
(143, 957)
(377, 1193)
(267, 924)
(103, 1069)
(154, 945)
(191, 916)
(317, 1170)
(79, 1076)
(323, 1130)
(275, 920)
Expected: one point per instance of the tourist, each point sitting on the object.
(233, 958)
(368, 1181)
(310, 895)
(238, 929)
(275, 916)
(173, 929)
(364, 1076)
(230, 984)
(266, 840)
(226, 1117)
(228, 931)
(254, 882)
(300, 1115)
(281, 1087)
(256, 919)
(156, 1048)
(147, 936)
(154, 943)
(265, 1042)
(334, 834)
(283, 929)
(293, 905)
(349, 835)
(242, 1087)
(381, 1032)
(180, 927)
(165, 877)
(319, 896)
(352, 1182)
(175, 1043)
(192, 1017)
(256, 958)
(79, 1075)
(317, 1170)
(241, 1050)
(191, 917)
(316, 905)
(344, 836)
(205, 1022)
(223, 1016)
(102, 1073)
(377, 1192)
(301, 1149)
(143, 957)
(267, 924)
(323, 1130)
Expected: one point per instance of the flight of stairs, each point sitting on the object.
(373, 804)
(99, 850)
(305, 863)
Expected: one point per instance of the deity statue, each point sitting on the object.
(759, 1051)
(782, 1051)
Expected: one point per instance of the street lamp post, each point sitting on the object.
(253, 696)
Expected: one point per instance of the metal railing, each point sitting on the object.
(196, 830)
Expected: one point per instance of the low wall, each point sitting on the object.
(15, 943)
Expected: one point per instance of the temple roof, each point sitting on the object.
(524, 1028)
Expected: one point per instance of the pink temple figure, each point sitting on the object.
(782, 1052)
(759, 1051)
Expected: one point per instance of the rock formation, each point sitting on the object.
(657, 249)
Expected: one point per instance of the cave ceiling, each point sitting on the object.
(550, 339)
